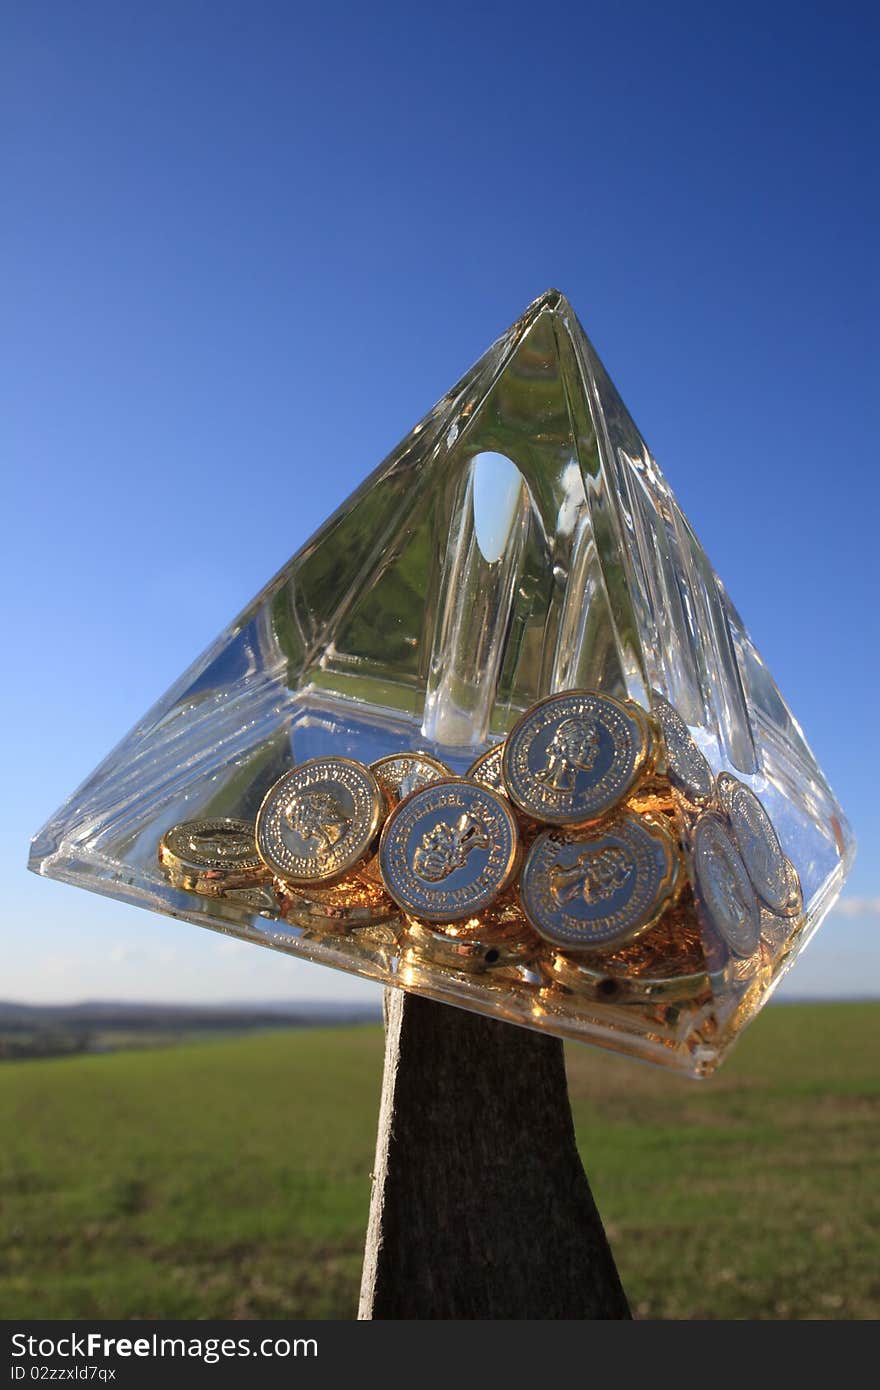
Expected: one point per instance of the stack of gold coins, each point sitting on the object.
(593, 845)
(218, 858)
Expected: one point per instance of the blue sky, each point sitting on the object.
(247, 245)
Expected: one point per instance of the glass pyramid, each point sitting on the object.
(520, 541)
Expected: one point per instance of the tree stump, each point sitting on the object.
(480, 1206)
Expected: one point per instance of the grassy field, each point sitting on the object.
(231, 1179)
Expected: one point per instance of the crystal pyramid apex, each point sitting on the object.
(553, 303)
(551, 299)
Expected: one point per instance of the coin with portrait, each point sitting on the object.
(722, 887)
(449, 850)
(773, 876)
(585, 890)
(573, 757)
(212, 855)
(686, 767)
(320, 821)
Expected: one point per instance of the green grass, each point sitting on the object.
(231, 1179)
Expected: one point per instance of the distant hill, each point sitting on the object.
(104, 1011)
(47, 1030)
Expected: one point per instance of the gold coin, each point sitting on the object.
(674, 960)
(594, 890)
(780, 934)
(320, 821)
(262, 899)
(423, 942)
(504, 920)
(572, 758)
(654, 796)
(402, 773)
(344, 894)
(373, 947)
(399, 775)
(211, 856)
(487, 769)
(351, 905)
(449, 850)
(723, 890)
(503, 925)
(773, 876)
(686, 767)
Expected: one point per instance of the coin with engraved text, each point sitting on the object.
(722, 886)
(686, 767)
(449, 850)
(773, 876)
(487, 769)
(596, 890)
(320, 821)
(573, 757)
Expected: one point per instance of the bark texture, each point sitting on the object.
(481, 1207)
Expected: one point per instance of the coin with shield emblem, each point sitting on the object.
(686, 767)
(573, 757)
(449, 850)
(211, 856)
(398, 775)
(773, 876)
(596, 890)
(722, 887)
(320, 821)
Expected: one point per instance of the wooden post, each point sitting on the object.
(480, 1205)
